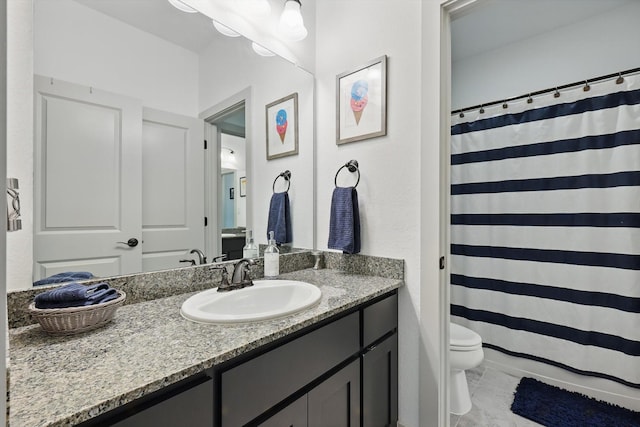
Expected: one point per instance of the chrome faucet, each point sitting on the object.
(201, 257)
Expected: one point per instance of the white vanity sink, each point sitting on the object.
(266, 299)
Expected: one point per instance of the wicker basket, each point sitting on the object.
(73, 320)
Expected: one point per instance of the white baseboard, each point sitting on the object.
(597, 388)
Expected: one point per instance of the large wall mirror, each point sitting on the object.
(153, 83)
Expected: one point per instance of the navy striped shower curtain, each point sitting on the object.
(545, 229)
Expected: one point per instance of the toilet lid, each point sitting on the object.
(463, 338)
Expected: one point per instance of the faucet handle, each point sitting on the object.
(224, 282)
(219, 258)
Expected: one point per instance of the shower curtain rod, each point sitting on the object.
(553, 89)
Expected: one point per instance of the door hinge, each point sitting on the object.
(205, 144)
(441, 263)
(206, 221)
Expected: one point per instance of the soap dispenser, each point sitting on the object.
(250, 250)
(271, 258)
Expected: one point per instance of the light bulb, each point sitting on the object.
(223, 29)
(261, 50)
(291, 15)
(181, 6)
(291, 25)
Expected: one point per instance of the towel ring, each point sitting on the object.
(352, 166)
(287, 177)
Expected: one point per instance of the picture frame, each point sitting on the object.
(243, 186)
(282, 127)
(232, 193)
(361, 102)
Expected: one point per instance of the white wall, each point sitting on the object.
(4, 347)
(20, 137)
(397, 206)
(604, 44)
(75, 43)
(67, 41)
(269, 79)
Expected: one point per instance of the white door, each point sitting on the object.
(87, 189)
(172, 189)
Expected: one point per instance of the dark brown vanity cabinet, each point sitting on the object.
(380, 364)
(334, 402)
(342, 373)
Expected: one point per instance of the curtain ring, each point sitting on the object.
(529, 100)
(556, 94)
(461, 115)
(620, 79)
(481, 109)
(505, 105)
(586, 87)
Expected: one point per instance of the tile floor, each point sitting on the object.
(491, 396)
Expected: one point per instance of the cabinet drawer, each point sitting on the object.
(379, 319)
(285, 369)
(194, 405)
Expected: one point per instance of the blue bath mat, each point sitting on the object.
(554, 407)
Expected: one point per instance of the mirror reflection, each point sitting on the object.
(147, 79)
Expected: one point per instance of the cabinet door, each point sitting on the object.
(336, 401)
(380, 384)
(294, 415)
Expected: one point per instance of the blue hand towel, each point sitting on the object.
(344, 225)
(280, 218)
(75, 295)
(67, 276)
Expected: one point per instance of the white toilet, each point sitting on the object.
(465, 352)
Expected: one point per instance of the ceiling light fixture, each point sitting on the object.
(223, 29)
(291, 25)
(261, 50)
(181, 6)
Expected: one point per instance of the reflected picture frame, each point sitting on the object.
(361, 102)
(282, 127)
(243, 186)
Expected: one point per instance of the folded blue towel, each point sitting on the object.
(75, 295)
(280, 218)
(67, 276)
(344, 223)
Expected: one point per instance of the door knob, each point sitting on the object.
(132, 242)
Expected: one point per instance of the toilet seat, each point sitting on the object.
(463, 339)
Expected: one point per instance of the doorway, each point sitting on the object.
(227, 178)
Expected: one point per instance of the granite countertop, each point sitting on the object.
(62, 381)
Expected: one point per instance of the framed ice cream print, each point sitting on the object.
(361, 110)
(282, 127)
